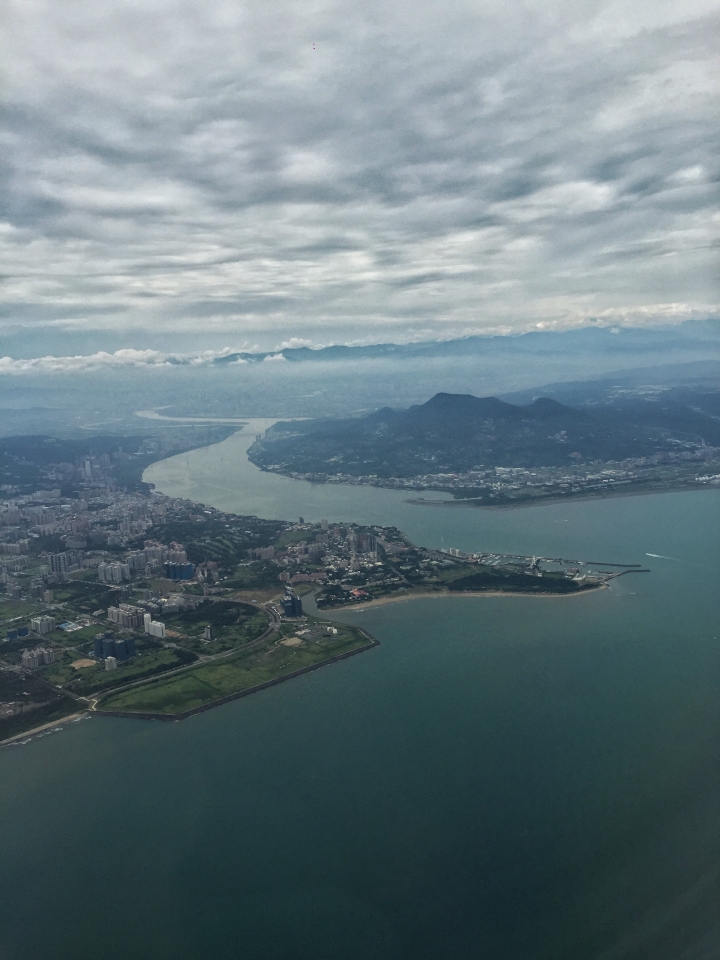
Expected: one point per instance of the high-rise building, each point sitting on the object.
(291, 604)
(136, 561)
(113, 572)
(367, 543)
(31, 659)
(108, 646)
(154, 551)
(110, 663)
(176, 553)
(154, 628)
(179, 571)
(59, 563)
(126, 615)
(42, 625)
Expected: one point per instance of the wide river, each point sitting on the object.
(503, 778)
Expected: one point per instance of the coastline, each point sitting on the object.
(551, 501)
(228, 698)
(444, 594)
(45, 726)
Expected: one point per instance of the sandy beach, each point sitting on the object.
(444, 594)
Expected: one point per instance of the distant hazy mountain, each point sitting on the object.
(340, 381)
(683, 382)
(457, 432)
(598, 340)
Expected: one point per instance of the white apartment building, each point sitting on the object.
(154, 628)
(113, 572)
(42, 625)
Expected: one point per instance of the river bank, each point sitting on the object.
(554, 501)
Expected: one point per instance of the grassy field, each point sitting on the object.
(233, 624)
(10, 609)
(95, 680)
(209, 682)
(502, 580)
(259, 575)
(258, 596)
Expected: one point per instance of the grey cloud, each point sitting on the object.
(517, 165)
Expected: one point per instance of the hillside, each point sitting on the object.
(460, 432)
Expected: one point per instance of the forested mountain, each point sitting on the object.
(458, 432)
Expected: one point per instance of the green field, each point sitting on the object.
(503, 580)
(259, 575)
(11, 609)
(94, 680)
(233, 624)
(203, 684)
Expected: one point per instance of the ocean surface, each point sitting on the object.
(504, 778)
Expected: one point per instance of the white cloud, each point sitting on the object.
(103, 360)
(293, 343)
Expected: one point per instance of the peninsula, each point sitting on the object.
(121, 599)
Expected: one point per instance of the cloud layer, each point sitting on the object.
(120, 359)
(345, 171)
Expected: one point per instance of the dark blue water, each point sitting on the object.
(526, 778)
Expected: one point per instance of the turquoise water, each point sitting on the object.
(525, 778)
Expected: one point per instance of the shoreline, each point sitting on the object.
(551, 501)
(228, 698)
(445, 594)
(45, 726)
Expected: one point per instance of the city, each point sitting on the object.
(108, 591)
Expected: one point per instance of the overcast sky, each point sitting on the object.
(356, 172)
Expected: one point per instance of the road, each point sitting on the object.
(273, 627)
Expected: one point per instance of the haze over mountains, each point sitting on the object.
(456, 432)
(102, 391)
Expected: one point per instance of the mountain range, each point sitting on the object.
(459, 432)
